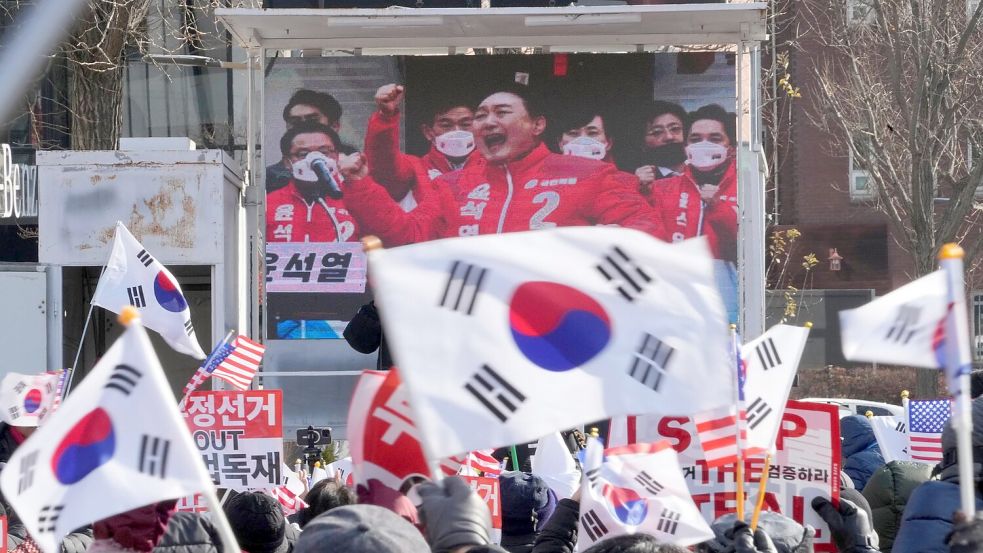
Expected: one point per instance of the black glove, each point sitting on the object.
(850, 526)
(744, 542)
(453, 515)
(966, 535)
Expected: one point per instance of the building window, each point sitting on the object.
(860, 186)
(978, 325)
(861, 11)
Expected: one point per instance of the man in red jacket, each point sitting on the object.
(702, 201)
(522, 186)
(448, 130)
(302, 211)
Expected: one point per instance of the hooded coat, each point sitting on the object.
(927, 518)
(888, 491)
(860, 453)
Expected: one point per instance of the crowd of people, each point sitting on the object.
(900, 507)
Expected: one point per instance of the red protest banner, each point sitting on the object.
(488, 490)
(239, 435)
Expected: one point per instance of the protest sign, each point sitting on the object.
(806, 465)
(488, 490)
(239, 435)
(328, 267)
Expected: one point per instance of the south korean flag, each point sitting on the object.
(770, 363)
(639, 489)
(117, 443)
(134, 277)
(505, 338)
(27, 399)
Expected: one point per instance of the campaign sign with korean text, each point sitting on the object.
(488, 490)
(806, 465)
(332, 267)
(240, 436)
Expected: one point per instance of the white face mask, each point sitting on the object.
(706, 156)
(304, 171)
(585, 146)
(455, 143)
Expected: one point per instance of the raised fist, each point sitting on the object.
(353, 166)
(387, 98)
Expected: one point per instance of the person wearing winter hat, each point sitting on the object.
(775, 534)
(634, 543)
(859, 450)
(258, 524)
(928, 516)
(527, 503)
(888, 491)
(360, 529)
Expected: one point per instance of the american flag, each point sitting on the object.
(717, 431)
(239, 366)
(481, 460)
(235, 361)
(288, 500)
(926, 419)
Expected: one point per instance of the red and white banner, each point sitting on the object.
(239, 435)
(806, 465)
(385, 443)
(489, 491)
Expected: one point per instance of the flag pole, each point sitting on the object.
(957, 359)
(228, 336)
(762, 484)
(78, 351)
(739, 464)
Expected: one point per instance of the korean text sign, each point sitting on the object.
(239, 435)
(806, 465)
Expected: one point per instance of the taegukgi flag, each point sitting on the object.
(134, 277)
(28, 399)
(116, 443)
(770, 364)
(523, 333)
(902, 327)
(639, 489)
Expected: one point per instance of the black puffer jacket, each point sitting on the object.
(560, 533)
(888, 491)
(76, 542)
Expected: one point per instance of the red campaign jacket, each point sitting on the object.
(685, 215)
(289, 218)
(400, 172)
(542, 190)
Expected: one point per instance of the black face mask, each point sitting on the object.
(668, 155)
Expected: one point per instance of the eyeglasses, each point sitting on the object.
(659, 132)
(294, 120)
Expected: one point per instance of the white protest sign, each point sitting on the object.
(806, 465)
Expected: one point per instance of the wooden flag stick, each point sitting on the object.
(740, 486)
(763, 483)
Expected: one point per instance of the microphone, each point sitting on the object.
(323, 167)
